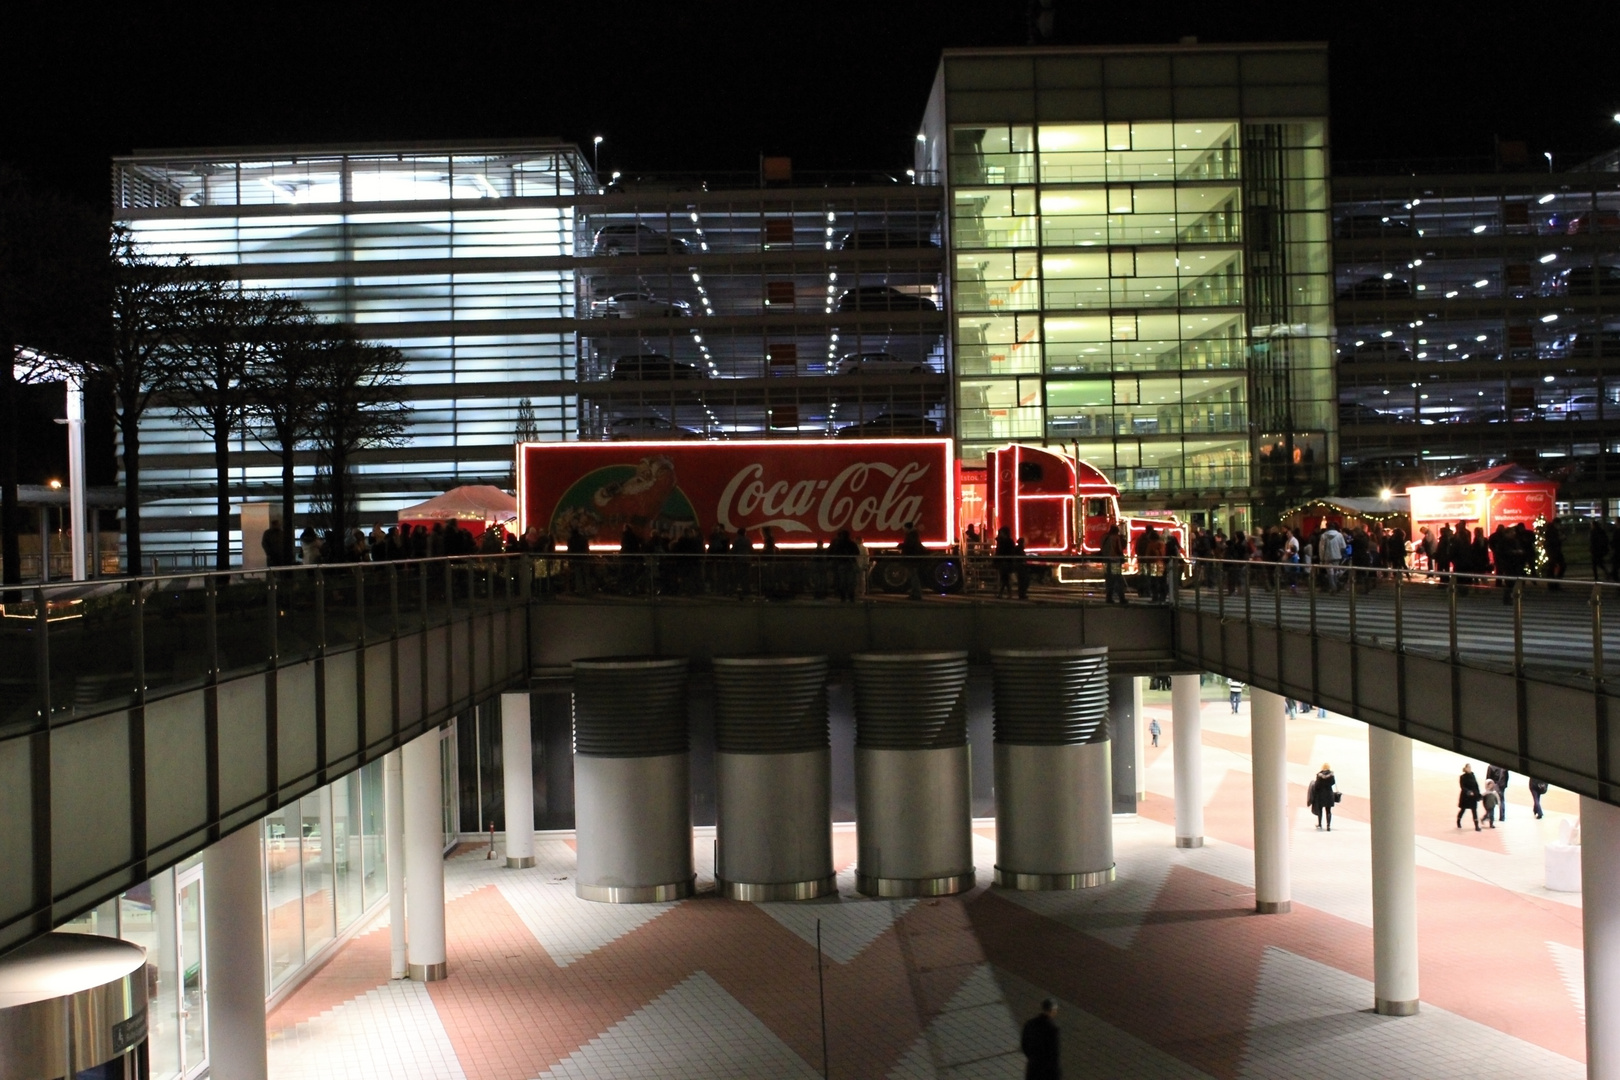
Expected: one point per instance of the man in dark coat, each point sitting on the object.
(1040, 1045)
(1500, 775)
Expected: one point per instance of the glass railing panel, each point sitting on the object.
(20, 692)
(297, 634)
(175, 632)
(92, 644)
(243, 622)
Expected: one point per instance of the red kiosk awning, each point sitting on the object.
(474, 507)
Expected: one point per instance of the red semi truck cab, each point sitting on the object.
(1059, 505)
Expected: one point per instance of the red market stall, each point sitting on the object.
(474, 507)
(1506, 495)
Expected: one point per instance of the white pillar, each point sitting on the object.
(233, 914)
(1187, 733)
(1394, 873)
(517, 758)
(394, 853)
(77, 523)
(1269, 740)
(1142, 737)
(1600, 923)
(424, 859)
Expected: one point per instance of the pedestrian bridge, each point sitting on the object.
(143, 719)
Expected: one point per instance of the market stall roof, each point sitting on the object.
(1371, 505)
(1502, 474)
(470, 502)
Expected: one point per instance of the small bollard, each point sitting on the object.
(490, 854)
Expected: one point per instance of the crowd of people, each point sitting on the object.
(1286, 556)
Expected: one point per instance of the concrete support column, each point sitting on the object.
(517, 755)
(394, 854)
(1394, 873)
(1269, 745)
(1124, 717)
(424, 859)
(233, 914)
(1187, 731)
(1600, 931)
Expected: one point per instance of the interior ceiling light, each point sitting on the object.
(1549, 318)
(1481, 283)
(1450, 294)
(1545, 199)
(1478, 229)
(1549, 257)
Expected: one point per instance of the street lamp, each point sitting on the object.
(1548, 155)
(596, 156)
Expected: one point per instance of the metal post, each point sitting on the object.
(1351, 577)
(1399, 610)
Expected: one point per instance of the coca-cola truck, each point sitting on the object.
(1060, 506)
(806, 491)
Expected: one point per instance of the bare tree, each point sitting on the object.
(283, 399)
(155, 304)
(361, 405)
(213, 386)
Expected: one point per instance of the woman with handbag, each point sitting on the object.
(1468, 796)
(1322, 797)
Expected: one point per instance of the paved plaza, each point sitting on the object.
(1165, 973)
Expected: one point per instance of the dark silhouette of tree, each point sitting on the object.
(282, 401)
(528, 430)
(230, 339)
(156, 303)
(53, 306)
(361, 405)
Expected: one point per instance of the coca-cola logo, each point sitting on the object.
(865, 495)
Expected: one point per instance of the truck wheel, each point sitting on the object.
(892, 576)
(946, 576)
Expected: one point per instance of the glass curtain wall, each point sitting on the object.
(324, 869)
(1140, 266)
(1102, 305)
(457, 259)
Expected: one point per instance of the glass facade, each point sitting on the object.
(324, 868)
(457, 256)
(325, 871)
(1140, 264)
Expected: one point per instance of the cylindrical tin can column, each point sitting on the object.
(773, 778)
(1054, 774)
(632, 780)
(913, 784)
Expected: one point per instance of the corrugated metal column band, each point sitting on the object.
(913, 794)
(632, 780)
(773, 778)
(1054, 773)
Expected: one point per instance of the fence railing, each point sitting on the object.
(77, 649)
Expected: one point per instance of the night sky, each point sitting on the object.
(709, 86)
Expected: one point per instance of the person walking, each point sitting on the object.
(1153, 730)
(1490, 799)
(1500, 774)
(1538, 788)
(1468, 796)
(1322, 797)
(1039, 1042)
(1235, 690)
